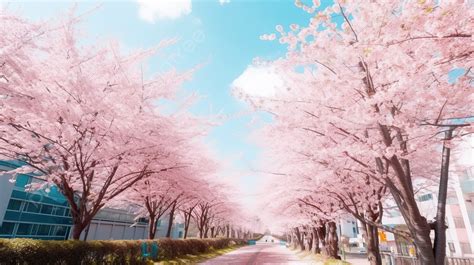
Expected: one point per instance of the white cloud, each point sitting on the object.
(223, 2)
(259, 81)
(151, 10)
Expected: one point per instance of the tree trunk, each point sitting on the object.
(417, 225)
(212, 231)
(151, 227)
(171, 219)
(187, 222)
(440, 227)
(332, 247)
(423, 244)
(317, 249)
(292, 239)
(227, 231)
(201, 232)
(77, 229)
(298, 238)
(186, 228)
(373, 252)
(309, 239)
(322, 236)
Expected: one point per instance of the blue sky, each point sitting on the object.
(223, 36)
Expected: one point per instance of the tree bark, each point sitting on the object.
(186, 229)
(373, 252)
(309, 239)
(298, 238)
(213, 229)
(77, 229)
(171, 219)
(332, 247)
(201, 232)
(440, 227)
(321, 230)
(151, 227)
(317, 249)
(187, 222)
(417, 225)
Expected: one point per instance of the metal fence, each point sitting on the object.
(391, 259)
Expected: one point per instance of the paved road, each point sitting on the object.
(264, 252)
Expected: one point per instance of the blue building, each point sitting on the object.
(44, 215)
(31, 214)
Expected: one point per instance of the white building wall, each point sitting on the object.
(105, 230)
(115, 224)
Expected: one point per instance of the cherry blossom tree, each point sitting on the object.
(187, 211)
(83, 118)
(374, 92)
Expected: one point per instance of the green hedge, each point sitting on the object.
(30, 251)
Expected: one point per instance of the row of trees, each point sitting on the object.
(374, 98)
(93, 123)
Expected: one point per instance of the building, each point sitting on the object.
(34, 215)
(459, 219)
(459, 212)
(46, 215)
(110, 224)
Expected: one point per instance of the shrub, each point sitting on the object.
(21, 251)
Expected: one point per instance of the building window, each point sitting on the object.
(7, 228)
(58, 211)
(59, 231)
(14, 205)
(451, 247)
(425, 197)
(33, 207)
(34, 229)
(24, 229)
(354, 229)
(43, 230)
(46, 209)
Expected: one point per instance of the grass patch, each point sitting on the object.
(336, 262)
(318, 258)
(193, 259)
(324, 260)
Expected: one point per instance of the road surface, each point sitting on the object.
(263, 252)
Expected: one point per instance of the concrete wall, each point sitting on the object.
(5, 192)
(6, 188)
